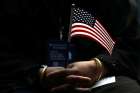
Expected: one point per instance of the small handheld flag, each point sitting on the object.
(85, 24)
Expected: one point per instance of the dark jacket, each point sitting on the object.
(120, 18)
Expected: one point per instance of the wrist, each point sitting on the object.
(101, 69)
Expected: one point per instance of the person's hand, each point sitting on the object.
(49, 82)
(83, 73)
(78, 76)
(53, 69)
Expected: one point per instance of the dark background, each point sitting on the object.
(25, 28)
(27, 25)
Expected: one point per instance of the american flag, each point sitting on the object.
(84, 23)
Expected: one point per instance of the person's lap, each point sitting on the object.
(122, 85)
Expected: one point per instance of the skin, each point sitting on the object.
(78, 76)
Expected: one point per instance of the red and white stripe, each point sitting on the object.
(98, 33)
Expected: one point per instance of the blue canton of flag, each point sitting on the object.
(84, 24)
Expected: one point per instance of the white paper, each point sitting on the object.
(104, 81)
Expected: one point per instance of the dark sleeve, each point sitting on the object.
(124, 59)
(126, 53)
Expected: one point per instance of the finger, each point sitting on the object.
(63, 72)
(61, 88)
(59, 77)
(51, 69)
(76, 77)
(82, 90)
(79, 81)
(56, 77)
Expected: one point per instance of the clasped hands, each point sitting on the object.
(77, 76)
